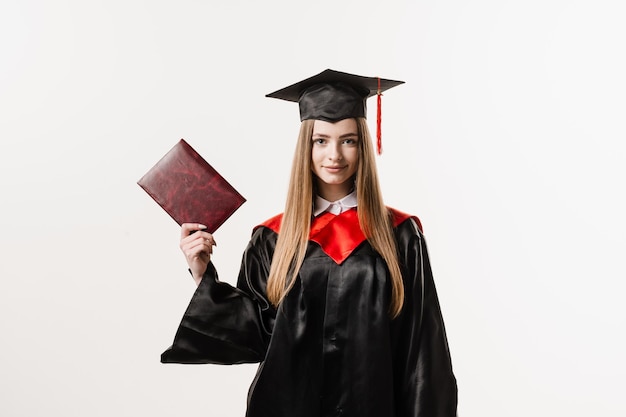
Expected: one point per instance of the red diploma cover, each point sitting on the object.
(190, 190)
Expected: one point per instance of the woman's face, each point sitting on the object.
(335, 157)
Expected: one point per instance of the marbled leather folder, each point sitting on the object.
(190, 190)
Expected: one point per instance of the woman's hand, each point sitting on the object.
(197, 245)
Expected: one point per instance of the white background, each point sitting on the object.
(506, 140)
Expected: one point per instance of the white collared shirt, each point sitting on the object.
(335, 207)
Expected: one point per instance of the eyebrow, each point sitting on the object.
(345, 135)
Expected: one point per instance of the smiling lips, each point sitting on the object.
(334, 168)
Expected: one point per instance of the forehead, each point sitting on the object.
(340, 128)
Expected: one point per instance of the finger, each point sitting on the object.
(188, 228)
(197, 247)
(197, 236)
(194, 254)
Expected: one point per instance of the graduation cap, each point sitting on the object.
(332, 96)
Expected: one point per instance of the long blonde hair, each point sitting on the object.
(374, 218)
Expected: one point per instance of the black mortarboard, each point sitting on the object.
(332, 96)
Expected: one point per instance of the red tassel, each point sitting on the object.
(379, 142)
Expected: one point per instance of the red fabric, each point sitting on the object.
(273, 223)
(399, 217)
(339, 235)
(379, 102)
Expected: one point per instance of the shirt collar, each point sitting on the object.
(335, 207)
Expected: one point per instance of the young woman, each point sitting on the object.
(335, 297)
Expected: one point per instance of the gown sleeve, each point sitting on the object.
(225, 324)
(423, 369)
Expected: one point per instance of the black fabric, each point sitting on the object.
(331, 348)
(333, 95)
(331, 103)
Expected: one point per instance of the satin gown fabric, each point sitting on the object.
(330, 349)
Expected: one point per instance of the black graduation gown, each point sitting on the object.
(331, 348)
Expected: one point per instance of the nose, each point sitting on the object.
(334, 152)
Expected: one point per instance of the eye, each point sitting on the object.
(349, 141)
(319, 141)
